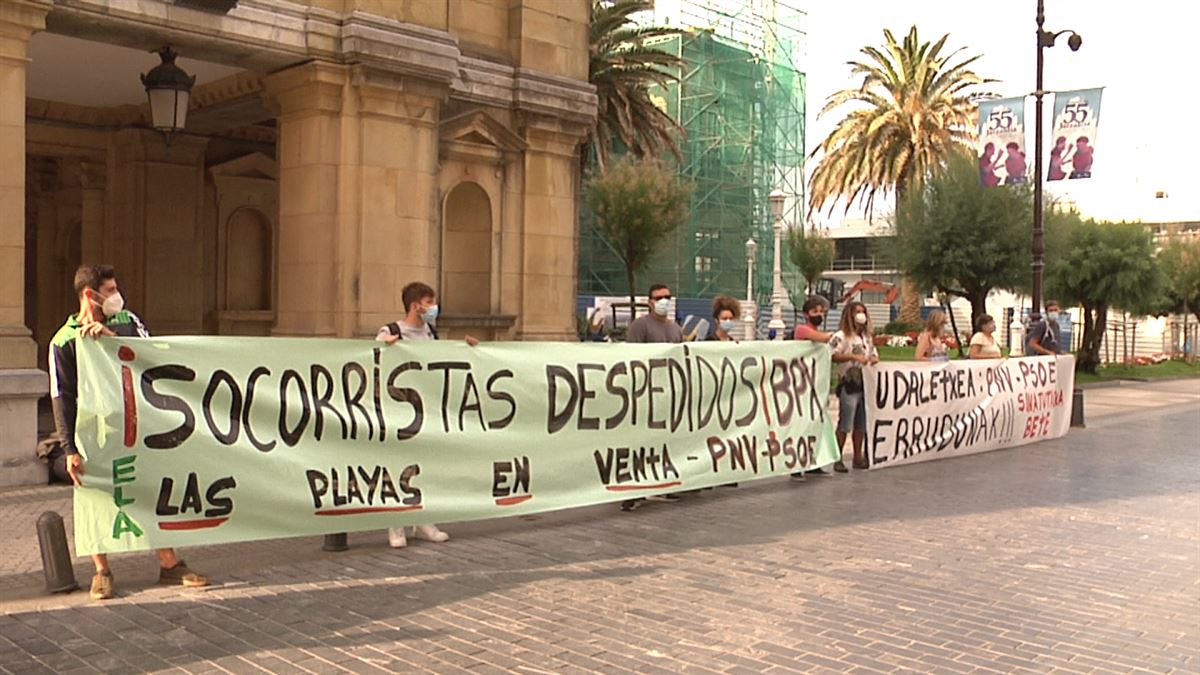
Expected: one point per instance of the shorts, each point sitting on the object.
(851, 409)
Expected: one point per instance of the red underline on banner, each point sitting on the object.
(367, 509)
(509, 501)
(200, 524)
(626, 488)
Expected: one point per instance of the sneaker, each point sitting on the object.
(839, 467)
(182, 575)
(798, 477)
(396, 537)
(630, 504)
(430, 533)
(102, 586)
(670, 498)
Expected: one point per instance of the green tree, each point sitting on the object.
(962, 239)
(637, 205)
(623, 68)
(812, 254)
(1104, 266)
(910, 110)
(1180, 263)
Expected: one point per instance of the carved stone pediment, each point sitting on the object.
(478, 137)
(254, 165)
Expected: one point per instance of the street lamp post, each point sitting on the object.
(1044, 39)
(777, 197)
(750, 310)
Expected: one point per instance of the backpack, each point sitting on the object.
(393, 328)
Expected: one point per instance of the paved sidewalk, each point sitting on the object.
(1077, 555)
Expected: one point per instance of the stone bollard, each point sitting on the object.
(56, 557)
(1077, 409)
(336, 543)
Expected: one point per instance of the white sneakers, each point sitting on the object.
(397, 537)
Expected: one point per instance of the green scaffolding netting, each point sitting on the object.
(741, 102)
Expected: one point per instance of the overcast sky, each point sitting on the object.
(1146, 54)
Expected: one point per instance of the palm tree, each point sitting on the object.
(623, 68)
(913, 108)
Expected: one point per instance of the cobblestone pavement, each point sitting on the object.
(1077, 555)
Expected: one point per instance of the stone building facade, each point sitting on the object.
(334, 150)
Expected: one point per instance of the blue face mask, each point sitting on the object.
(728, 325)
(430, 314)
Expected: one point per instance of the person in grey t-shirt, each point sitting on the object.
(420, 301)
(658, 326)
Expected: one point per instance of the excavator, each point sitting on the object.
(889, 290)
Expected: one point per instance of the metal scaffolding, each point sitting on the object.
(741, 101)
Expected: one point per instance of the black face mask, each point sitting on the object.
(815, 321)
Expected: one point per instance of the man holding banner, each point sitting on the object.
(657, 327)
(420, 301)
(101, 312)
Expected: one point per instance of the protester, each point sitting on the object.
(930, 346)
(983, 344)
(1045, 335)
(101, 312)
(420, 303)
(852, 348)
(813, 311)
(654, 327)
(725, 313)
(726, 309)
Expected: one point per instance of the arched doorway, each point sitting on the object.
(467, 251)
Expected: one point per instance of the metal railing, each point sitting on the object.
(862, 264)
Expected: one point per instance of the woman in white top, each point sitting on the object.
(852, 348)
(929, 343)
(983, 344)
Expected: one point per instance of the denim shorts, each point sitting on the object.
(851, 410)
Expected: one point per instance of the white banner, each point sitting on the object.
(918, 411)
(1001, 146)
(1076, 120)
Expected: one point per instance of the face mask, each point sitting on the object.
(815, 321)
(1053, 316)
(728, 325)
(430, 314)
(860, 319)
(662, 306)
(113, 304)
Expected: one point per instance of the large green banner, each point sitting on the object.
(202, 440)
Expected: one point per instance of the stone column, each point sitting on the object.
(395, 193)
(309, 103)
(91, 178)
(357, 195)
(20, 383)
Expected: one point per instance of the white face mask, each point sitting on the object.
(1053, 316)
(430, 315)
(113, 304)
(860, 319)
(662, 306)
